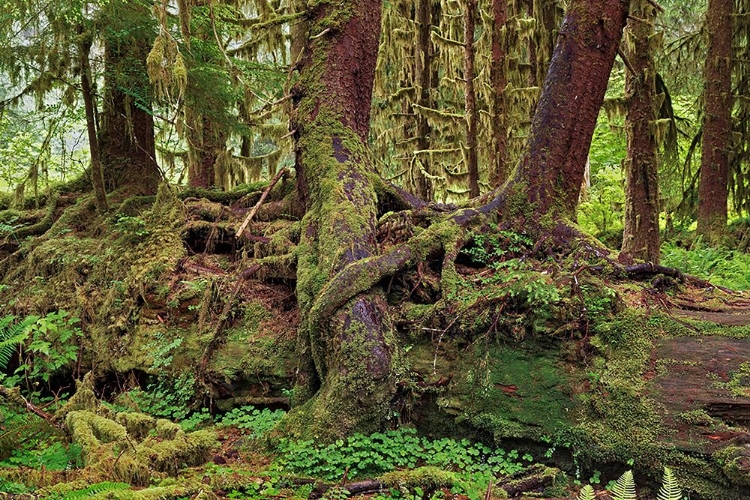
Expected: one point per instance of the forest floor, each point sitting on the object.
(196, 366)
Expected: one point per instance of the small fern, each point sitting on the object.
(624, 488)
(25, 429)
(11, 336)
(586, 493)
(95, 489)
(669, 489)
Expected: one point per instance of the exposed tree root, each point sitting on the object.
(40, 227)
(362, 275)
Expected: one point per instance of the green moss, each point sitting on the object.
(137, 425)
(427, 478)
(511, 392)
(735, 463)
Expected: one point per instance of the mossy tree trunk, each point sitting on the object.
(549, 177)
(423, 77)
(641, 232)
(499, 172)
(206, 141)
(717, 121)
(471, 98)
(126, 134)
(97, 176)
(353, 348)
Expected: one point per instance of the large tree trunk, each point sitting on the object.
(499, 172)
(97, 176)
(126, 134)
(717, 123)
(548, 179)
(423, 81)
(206, 141)
(471, 99)
(353, 347)
(641, 234)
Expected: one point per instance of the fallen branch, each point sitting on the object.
(268, 189)
(531, 483)
(365, 487)
(215, 338)
(14, 396)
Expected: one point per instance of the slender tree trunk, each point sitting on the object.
(717, 121)
(423, 72)
(126, 134)
(533, 47)
(97, 176)
(641, 233)
(548, 179)
(299, 31)
(353, 348)
(499, 172)
(471, 100)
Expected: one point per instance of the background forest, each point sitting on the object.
(227, 274)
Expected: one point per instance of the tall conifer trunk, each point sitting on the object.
(126, 134)
(641, 233)
(471, 99)
(352, 345)
(499, 172)
(97, 175)
(717, 121)
(423, 70)
(549, 177)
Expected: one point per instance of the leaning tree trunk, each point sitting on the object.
(471, 99)
(549, 176)
(717, 121)
(126, 135)
(352, 345)
(641, 233)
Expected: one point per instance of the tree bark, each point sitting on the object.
(126, 134)
(423, 72)
(499, 172)
(352, 346)
(97, 176)
(205, 143)
(548, 179)
(471, 104)
(717, 121)
(641, 233)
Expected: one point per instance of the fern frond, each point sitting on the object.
(95, 489)
(624, 488)
(27, 429)
(11, 336)
(586, 493)
(669, 489)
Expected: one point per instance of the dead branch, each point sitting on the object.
(268, 189)
(627, 62)
(216, 338)
(14, 396)
(656, 5)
